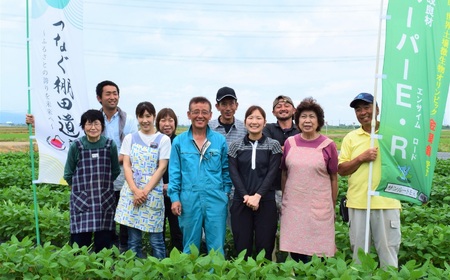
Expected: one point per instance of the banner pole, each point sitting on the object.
(30, 131)
(372, 132)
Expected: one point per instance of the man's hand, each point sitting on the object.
(176, 208)
(29, 119)
(369, 155)
(349, 167)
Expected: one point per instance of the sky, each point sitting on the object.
(167, 52)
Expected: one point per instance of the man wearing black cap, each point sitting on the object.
(226, 124)
(354, 159)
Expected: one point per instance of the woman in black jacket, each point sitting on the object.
(253, 162)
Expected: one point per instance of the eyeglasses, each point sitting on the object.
(96, 124)
(198, 112)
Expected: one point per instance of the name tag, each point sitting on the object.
(94, 155)
(154, 145)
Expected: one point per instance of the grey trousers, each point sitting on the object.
(384, 232)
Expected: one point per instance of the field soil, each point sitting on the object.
(15, 147)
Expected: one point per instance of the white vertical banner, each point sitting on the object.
(58, 87)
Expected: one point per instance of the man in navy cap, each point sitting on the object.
(354, 159)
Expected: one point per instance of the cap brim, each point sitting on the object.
(228, 95)
(286, 101)
(352, 104)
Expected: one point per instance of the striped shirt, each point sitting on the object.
(253, 166)
(237, 131)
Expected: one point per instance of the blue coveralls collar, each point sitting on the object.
(190, 134)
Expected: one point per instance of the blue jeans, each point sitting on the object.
(156, 241)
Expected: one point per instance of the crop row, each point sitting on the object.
(424, 251)
(21, 260)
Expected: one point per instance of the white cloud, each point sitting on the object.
(167, 53)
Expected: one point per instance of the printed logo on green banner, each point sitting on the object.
(417, 70)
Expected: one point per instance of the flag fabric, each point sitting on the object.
(415, 89)
(58, 90)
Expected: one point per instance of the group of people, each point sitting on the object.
(256, 173)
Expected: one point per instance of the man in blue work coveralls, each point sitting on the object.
(199, 181)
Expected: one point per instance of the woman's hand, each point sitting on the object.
(253, 201)
(139, 197)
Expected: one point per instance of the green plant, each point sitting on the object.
(15, 169)
(18, 220)
(423, 253)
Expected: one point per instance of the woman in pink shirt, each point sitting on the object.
(309, 185)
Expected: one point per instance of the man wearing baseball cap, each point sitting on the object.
(354, 159)
(226, 124)
(283, 109)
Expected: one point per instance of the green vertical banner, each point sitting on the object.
(415, 89)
